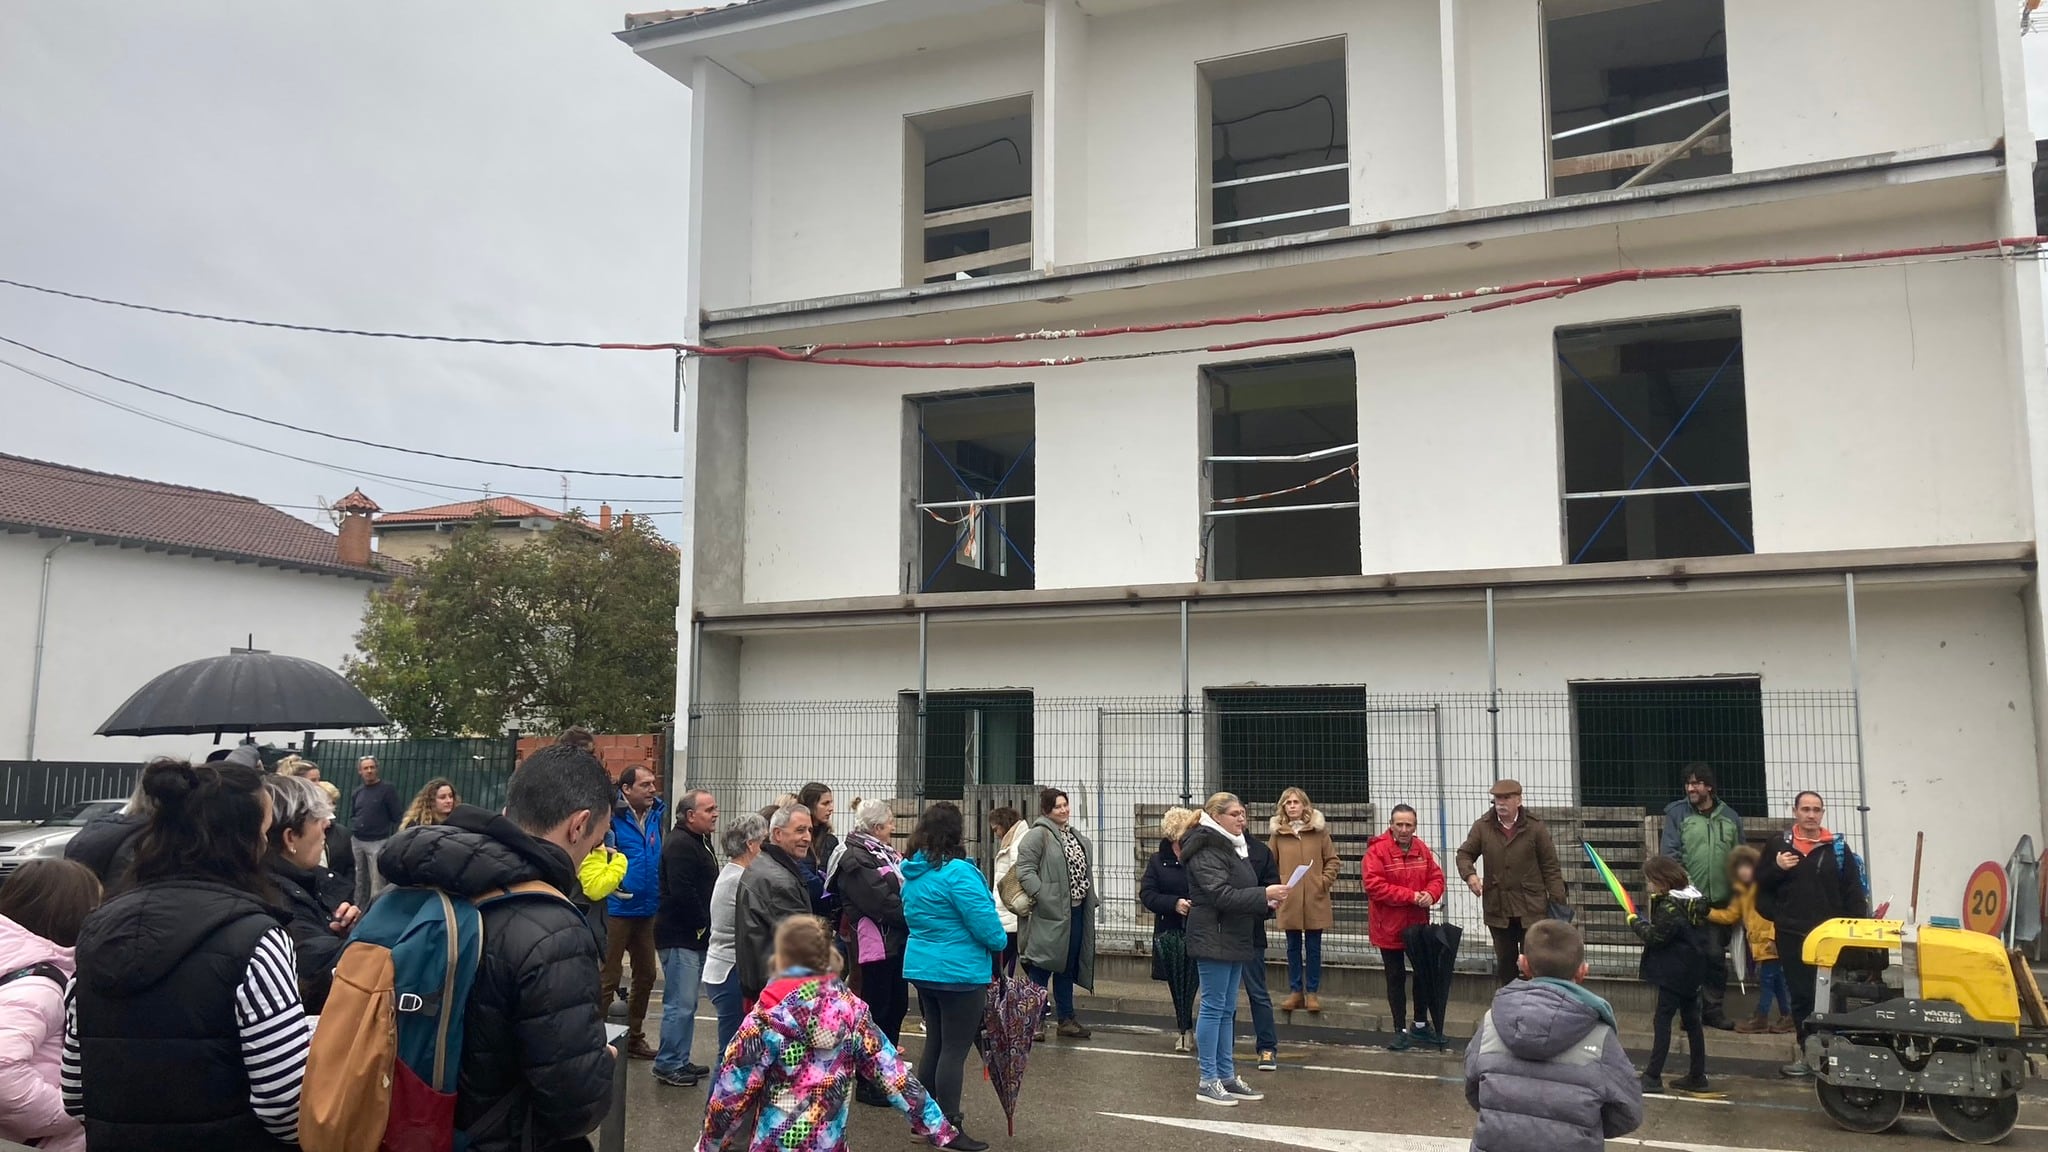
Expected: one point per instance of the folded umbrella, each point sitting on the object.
(1433, 955)
(1009, 1025)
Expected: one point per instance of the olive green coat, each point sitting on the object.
(1041, 868)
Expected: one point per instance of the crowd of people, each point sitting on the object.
(168, 976)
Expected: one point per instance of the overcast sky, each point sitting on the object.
(503, 168)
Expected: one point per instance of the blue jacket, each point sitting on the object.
(639, 895)
(954, 929)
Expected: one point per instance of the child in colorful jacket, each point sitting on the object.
(801, 1052)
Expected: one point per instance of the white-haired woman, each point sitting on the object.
(299, 815)
(740, 841)
(867, 875)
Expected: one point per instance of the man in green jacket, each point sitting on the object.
(1701, 832)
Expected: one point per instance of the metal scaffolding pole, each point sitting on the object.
(1187, 790)
(1492, 685)
(1856, 713)
(923, 669)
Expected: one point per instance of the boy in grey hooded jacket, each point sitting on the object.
(1546, 1069)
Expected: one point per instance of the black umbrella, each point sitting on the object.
(245, 691)
(1433, 953)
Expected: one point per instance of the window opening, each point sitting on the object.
(1636, 737)
(975, 514)
(1282, 470)
(971, 191)
(973, 739)
(1638, 92)
(1279, 163)
(1269, 739)
(1656, 439)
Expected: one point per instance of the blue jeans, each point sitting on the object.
(726, 996)
(1062, 982)
(1267, 1036)
(1312, 979)
(1216, 1020)
(680, 971)
(1770, 978)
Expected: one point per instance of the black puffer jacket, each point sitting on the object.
(303, 896)
(532, 1027)
(866, 893)
(107, 846)
(1227, 897)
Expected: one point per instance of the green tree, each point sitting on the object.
(577, 627)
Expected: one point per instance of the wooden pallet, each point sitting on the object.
(1615, 833)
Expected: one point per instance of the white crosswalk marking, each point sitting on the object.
(1337, 1140)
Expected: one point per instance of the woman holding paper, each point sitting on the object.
(1226, 904)
(1301, 839)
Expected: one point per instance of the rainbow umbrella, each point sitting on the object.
(1607, 877)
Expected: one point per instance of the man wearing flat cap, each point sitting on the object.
(1521, 879)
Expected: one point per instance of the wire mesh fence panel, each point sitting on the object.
(1601, 761)
(478, 767)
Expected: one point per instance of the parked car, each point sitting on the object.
(38, 841)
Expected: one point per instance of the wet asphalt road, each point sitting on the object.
(1127, 1089)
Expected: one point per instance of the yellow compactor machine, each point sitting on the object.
(1904, 1011)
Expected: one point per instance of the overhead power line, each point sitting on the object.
(1502, 295)
(322, 433)
(406, 483)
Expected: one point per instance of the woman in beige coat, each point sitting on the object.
(1301, 836)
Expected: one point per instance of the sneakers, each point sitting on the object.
(1269, 1060)
(1402, 1042)
(1072, 1030)
(1314, 1005)
(1720, 1024)
(1652, 1085)
(679, 1079)
(1293, 1002)
(1754, 1025)
(1690, 1084)
(1212, 1092)
(1796, 1070)
(1180, 1042)
(1433, 1038)
(697, 1070)
(1239, 1090)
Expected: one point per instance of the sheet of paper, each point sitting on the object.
(1300, 870)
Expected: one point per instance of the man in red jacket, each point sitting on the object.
(1403, 881)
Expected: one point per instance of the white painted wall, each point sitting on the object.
(828, 209)
(1144, 133)
(1899, 74)
(1880, 410)
(1946, 700)
(118, 617)
(814, 166)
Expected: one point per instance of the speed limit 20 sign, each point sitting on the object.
(1985, 899)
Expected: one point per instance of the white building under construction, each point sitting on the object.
(1380, 396)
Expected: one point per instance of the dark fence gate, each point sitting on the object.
(478, 768)
(39, 789)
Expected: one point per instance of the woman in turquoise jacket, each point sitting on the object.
(954, 935)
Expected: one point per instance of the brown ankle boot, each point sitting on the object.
(1292, 1003)
(1312, 1004)
(1754, 1025)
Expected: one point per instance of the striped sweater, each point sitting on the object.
(274, 1031)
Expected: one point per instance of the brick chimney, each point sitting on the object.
(604, 517)
(625, 519)
(353, 547)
